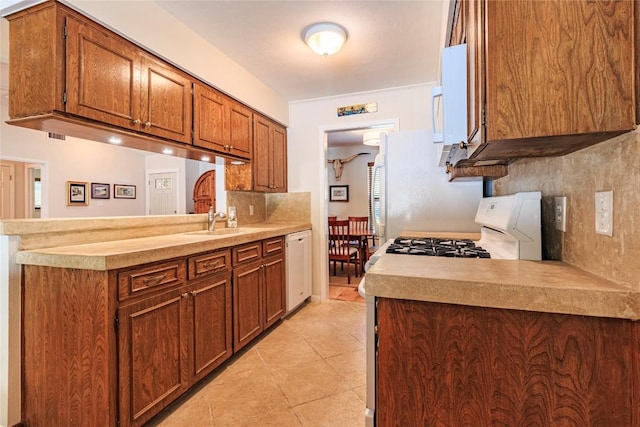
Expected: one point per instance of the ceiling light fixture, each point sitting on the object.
(325, 38)
(371, 138)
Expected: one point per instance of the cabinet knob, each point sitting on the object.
(462, 145)
(184, 295)
(147, 124)
(231, 147)
(135, 122)
(194, 293)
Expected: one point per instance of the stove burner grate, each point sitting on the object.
(430, 246)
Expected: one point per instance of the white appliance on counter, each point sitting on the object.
(298, 266)
(511, 229)
(453, 94)
(415, 194)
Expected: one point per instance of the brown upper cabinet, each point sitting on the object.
(268, 171)
(270, 156)
(546, 78)
(221, 124)
(110, 80)
(70, 75)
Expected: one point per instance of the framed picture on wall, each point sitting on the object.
(100, 191)
(121, 191)
(338, 193)
(77, 193)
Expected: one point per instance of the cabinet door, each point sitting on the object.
(153, 355)
(241, 130)
(279, 160)
(211, 119)
(210, 316)
(247, 304)
(261, 154)
(274, 289)
(103, 75)
(570, 78)
(166, 101)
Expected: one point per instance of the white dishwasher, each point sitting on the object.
(298, 259)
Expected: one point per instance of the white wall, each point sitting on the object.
(354, 174)
(307, 167)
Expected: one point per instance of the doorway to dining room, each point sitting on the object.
(348, 186)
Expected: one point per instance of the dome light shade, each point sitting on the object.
(371, 138)
(325, 38)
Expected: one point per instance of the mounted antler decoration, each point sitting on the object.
(337, 164)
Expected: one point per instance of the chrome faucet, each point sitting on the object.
(212, 218)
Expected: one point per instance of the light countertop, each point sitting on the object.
(546, 286)
(130, 252)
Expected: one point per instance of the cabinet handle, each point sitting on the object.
(184, 295)
(135, 122)
(231, 147)
(194, 293)
(210, 264)
(157, 279)
(147, 124)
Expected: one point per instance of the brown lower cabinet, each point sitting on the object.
(259, 298)
(453, 365)
(116, 347)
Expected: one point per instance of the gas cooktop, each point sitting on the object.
(429, 246)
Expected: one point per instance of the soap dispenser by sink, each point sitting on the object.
(232, 219)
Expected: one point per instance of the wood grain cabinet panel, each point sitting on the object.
(442, 364)
(259, 287)
(102, 75)
(211, 319)
(247, 303)
(153, 355)
(548, 78)
(221, 123)
(270, 156)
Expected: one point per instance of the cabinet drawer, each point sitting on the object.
(272, 246)
(209, 263)
(149, 278)
(249, 252)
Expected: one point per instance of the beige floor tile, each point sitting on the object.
(340, 410)
(309, 381)
(361, 392)
(277, 356)
(350, 367)
(334, 344)
(282, 379)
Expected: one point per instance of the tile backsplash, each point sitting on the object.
(609, 165)
(277, 207)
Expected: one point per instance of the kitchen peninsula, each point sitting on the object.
(123, 315)
(503, 342)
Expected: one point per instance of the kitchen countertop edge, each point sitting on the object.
(543, 286)
(131, 252)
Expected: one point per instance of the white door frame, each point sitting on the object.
(178, 186)
(44, 179)
(324, 237)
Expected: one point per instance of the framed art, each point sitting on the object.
(121, 191)
(100, 191)
(338, 193)
(77, 194)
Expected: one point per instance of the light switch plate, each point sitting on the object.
(560, 212)
(604, 213)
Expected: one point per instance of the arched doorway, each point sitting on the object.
(204, 192)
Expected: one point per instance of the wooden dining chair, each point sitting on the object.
(359, 231)
(339, 248)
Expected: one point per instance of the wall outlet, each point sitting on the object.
(560, 212)
(250, 210)
(604, 213)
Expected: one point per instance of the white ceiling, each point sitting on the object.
(390, 43)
